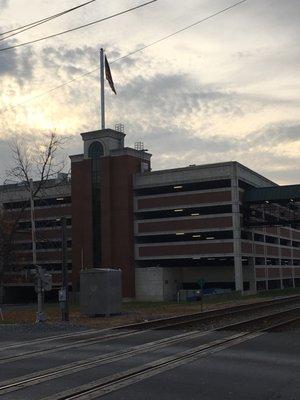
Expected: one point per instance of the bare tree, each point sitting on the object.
(41, 163)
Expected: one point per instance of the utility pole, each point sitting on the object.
(64, 295)
(102, 94)
(40, 316)
(1, 260)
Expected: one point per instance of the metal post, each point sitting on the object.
(65, 283)
(1, 266)
(102, 95)
(202, 295)
(40, 316)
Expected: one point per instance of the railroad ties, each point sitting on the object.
(203, 342)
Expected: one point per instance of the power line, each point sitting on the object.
(78, 27)
(47, 18)
(51, 90)
(20, 29)
(179, 31)
(126, 56)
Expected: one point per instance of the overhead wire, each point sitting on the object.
(51, 90)
(127, 55)
(179, 31)
(20, 29)
(78, 27)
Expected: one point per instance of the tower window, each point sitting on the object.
(95, 152)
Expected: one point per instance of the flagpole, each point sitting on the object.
(102, 96)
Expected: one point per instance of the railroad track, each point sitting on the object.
(249, 329)
(215, 313)
(63, 347)
(52, 338)
(106, 385)
(138, 328)
(148, 324)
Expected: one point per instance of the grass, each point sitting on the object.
(135, 311)
(278, 292)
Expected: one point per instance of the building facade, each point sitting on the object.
(190, 225)
(165, 229)
(52, 203)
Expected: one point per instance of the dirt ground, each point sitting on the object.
(131, 311)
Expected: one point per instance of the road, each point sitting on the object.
(265, 366)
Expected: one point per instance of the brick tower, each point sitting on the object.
(102, 204)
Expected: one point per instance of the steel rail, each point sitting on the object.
(52, 338)
(215, 312)
(71, 368)
(62, 347)
(117, 381)
(163, 323)
(77, 366)
(219, 312)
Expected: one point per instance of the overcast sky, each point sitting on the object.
(225, 90)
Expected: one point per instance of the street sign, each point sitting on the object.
(62, 295)
(201, 283)
(47, 282)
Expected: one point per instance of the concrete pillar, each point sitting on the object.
(292, 258)
(279, 257)
(237, 244)
(293, 274)
(266, 264)
(252, 275)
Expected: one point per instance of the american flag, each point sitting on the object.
(109, 77)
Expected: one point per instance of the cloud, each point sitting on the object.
(274, 134)
(3, 4)
(172, 114)
(226, 90)
(79, 60)
(261, 151)
(17, 65)
(167, 98)
(70, 60)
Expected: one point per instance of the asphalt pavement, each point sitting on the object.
(266, 367)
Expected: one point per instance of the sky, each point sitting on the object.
(225, 90)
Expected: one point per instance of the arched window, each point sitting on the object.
(95, 150)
